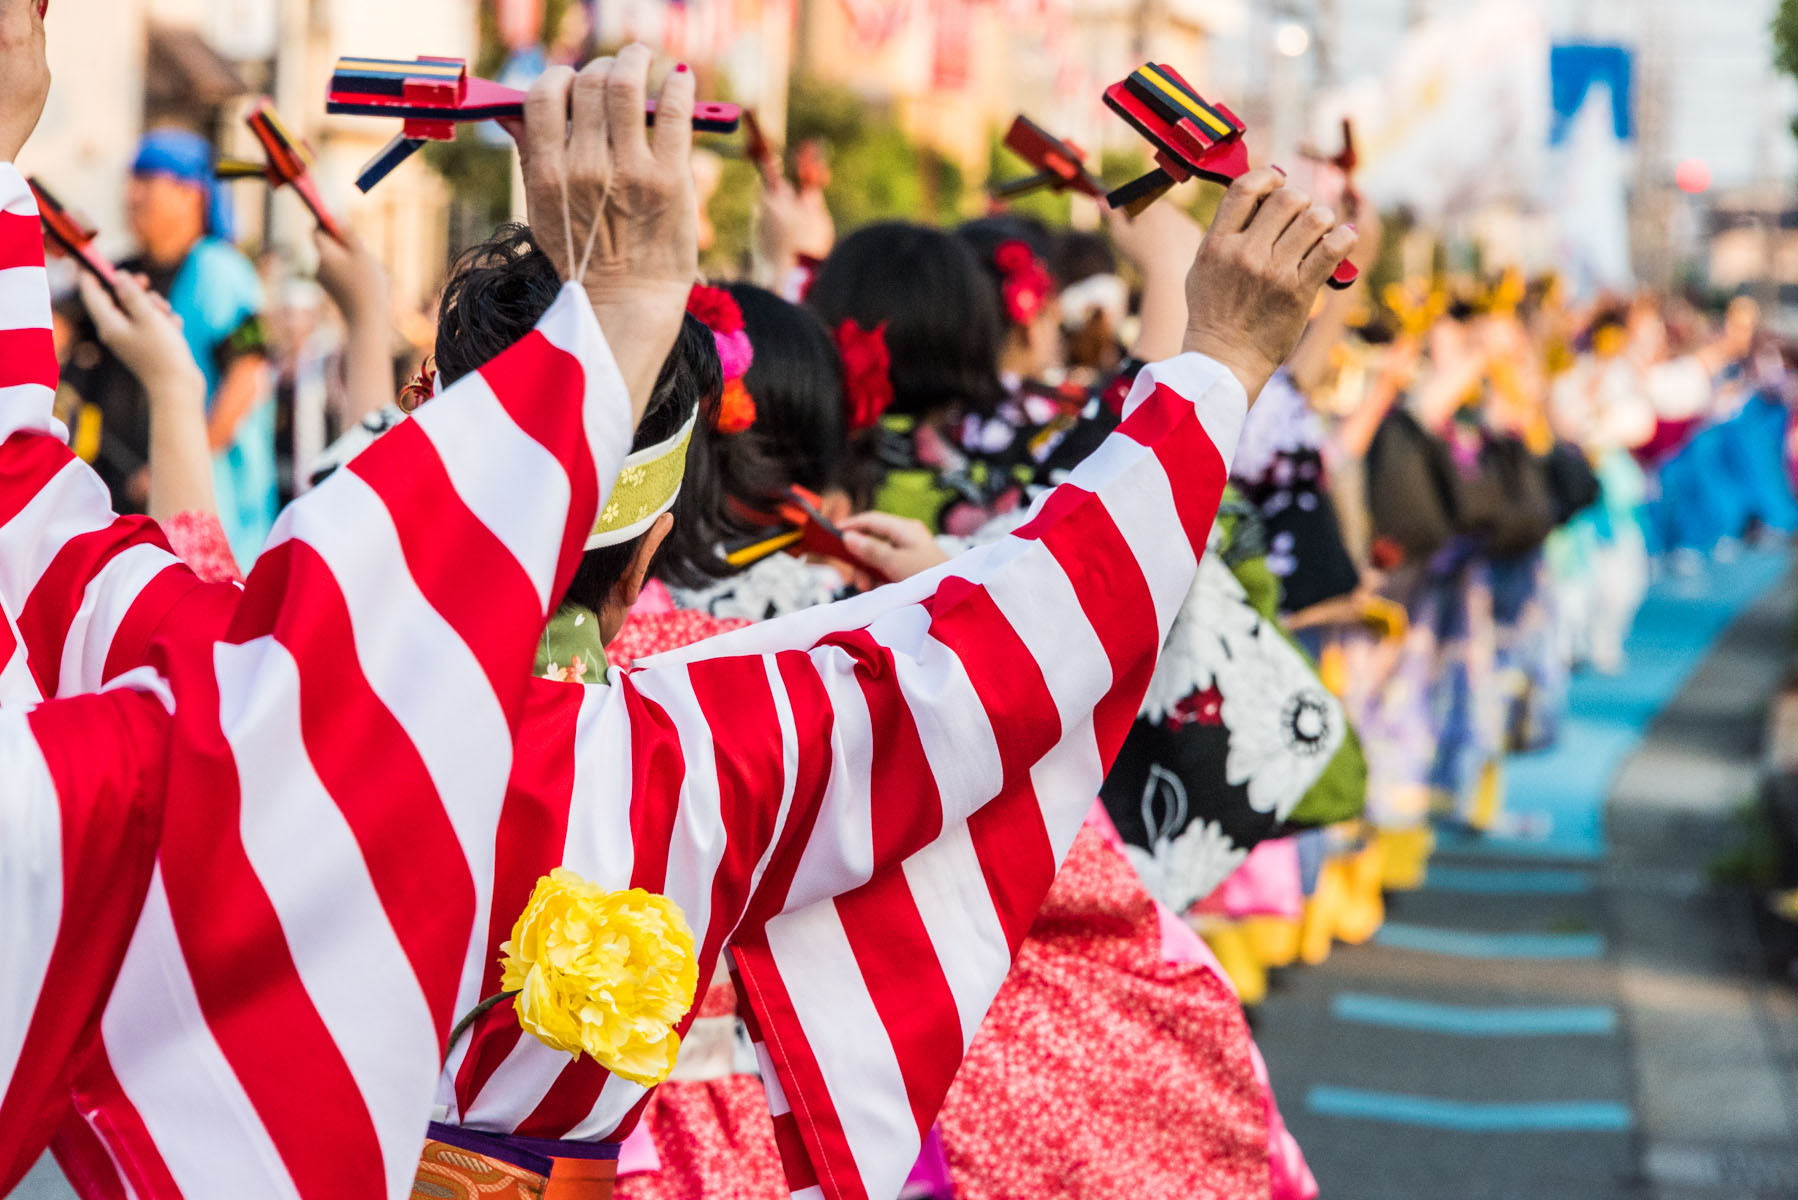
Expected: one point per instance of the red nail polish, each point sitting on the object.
(1279, 168)
(680, 68)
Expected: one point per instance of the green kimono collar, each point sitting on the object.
(571, 649)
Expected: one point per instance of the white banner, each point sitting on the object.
(1458, 119)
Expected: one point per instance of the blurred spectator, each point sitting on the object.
(177, 214)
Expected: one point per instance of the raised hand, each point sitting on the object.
(26, 72)
(146, 335)
(1257, 272)
(142, 331)
(611, 201)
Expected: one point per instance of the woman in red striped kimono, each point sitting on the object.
(114, 801)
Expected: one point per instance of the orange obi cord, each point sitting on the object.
(581, 1179)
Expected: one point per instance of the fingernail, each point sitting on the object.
(1351, 228)
(1279, 168)
(680, 68)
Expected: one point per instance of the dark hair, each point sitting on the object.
(497, 292)
(797, 383)
(943, 320)
(1078, 255)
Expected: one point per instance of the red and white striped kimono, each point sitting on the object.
(932, 755)
(358, 712)
(868, 801)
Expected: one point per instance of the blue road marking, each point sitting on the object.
(1456, 943)
(1393, 1012)
(1581, 1116)
(1504, 881)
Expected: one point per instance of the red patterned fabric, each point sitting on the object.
(716, 1141)
(1102, 1071)
(647, 633)
(199, 540)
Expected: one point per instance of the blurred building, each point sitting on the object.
(123, 65)
(957, 71)
(1752, 247)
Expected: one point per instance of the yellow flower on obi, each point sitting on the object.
(604, 973)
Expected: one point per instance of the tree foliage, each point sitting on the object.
(1785, 41)
(877, 171)
(1785, 37)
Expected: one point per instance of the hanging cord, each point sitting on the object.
(580, 271)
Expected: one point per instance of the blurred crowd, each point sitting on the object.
(1451, 497)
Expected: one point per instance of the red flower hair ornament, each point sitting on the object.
(718, 311)
(1024, 281)
(867, 379)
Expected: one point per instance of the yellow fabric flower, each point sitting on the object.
(604, 973)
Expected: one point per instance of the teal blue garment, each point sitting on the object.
(215, 293)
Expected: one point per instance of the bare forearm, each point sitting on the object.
(180, 449)
(368, 364)
(1310, 363)
(1163, 326)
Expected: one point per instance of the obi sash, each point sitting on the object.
(463, 1164)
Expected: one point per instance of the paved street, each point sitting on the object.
(1574, 1011)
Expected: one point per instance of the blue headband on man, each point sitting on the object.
(183, 155)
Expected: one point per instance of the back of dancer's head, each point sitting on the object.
(985, 235)
(797, 383)
(496, 294)
(943, 326)
(1077, 254)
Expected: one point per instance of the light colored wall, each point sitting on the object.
(95, 111)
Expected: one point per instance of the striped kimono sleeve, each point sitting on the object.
(81, 588)
(336, 770)
(80, 810)
(895, 798)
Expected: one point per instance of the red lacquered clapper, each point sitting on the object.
(801, 529)
(73, 238)
(1060, 165)
(1191, 137)
(433, 95)
(288, 163)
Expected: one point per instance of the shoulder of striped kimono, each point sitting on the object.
(28, 371)
(510, 463)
